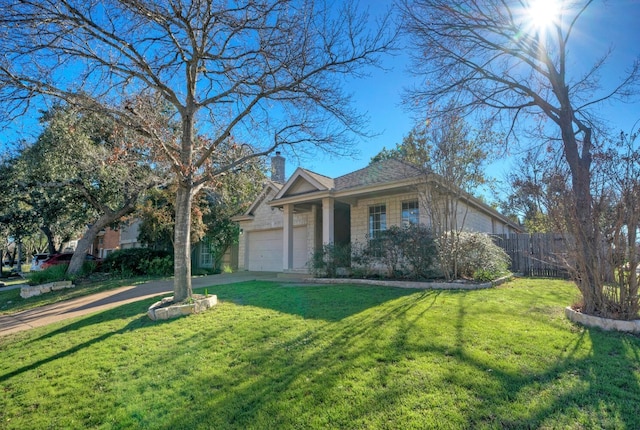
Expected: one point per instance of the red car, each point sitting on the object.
(64, 258)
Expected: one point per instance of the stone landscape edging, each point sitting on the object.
(163, 311)
(35, 290)
(412, 284)
(602, 323)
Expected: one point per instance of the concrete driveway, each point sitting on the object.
(48, 314)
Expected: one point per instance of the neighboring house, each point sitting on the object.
(129, 234)
(123, 237)
(126, 236)
(288, 221)
(202, 256)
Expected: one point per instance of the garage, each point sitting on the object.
(264, 249)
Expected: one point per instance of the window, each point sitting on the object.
(206, 259)
(410, 213)
(377, 220)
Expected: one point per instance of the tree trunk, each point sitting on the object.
(78, 259)
(20, 255)
(182, 244)
(581, 223)
(109, 217)
(51, 246)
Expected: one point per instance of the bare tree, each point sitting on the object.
(451, 156)
(266, 72)
(618, 206)
(489, 55)
(528, 183)
(459, 155)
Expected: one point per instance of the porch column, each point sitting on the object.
(287, 237)
(327, 220)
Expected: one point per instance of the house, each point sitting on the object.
(111, 239)
(125, 236)
(290, 219)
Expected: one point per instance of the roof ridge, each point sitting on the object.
(315, 173)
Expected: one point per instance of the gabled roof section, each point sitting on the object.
(385, 171)
(268, 186)
(304, 181)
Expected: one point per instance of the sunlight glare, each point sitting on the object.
(543, 13)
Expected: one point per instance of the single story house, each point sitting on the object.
(291, 219)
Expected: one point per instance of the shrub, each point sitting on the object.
(327, 260)
(88, 267)
(361, 261)
(50, 274)
(406, 251)
(419, 250)
(134, 261)
(471, 256)
(387, 248)
(159, 266)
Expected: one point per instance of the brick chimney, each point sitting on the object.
(277, 168)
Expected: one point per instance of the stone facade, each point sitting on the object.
(469, 218)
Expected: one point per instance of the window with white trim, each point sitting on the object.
(377, 220)
(410, 213)
(206, 259)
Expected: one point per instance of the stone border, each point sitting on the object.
(460, 285)
(162, 311)
(603, 323)
(35, 290)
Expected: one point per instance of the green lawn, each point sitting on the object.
(10, 300)
(273, 356)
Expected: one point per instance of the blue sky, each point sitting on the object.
(612, 23)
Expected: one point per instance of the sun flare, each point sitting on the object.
(543, 13)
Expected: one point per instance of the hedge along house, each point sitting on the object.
(291, 219)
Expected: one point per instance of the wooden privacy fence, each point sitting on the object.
(537, 254)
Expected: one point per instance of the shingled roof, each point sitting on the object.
(384, 171)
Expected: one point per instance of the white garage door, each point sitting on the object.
(265, 249)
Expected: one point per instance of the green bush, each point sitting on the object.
(326, 261)
(135, 262)
(419, 250)
(158, 266)
(88, 267)
(50, 274)
(361, 261)
(472, 256)
(386, 249)
(406, 251)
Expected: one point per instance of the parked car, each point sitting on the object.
(38, 260)
(65, 258)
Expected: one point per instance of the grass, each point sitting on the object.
(10, 300)
(354, 357)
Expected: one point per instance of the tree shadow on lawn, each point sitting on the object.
(310, 380)
(325, 302)
(305, 301)
(264, 382)
(604, 389)
(65, 328)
